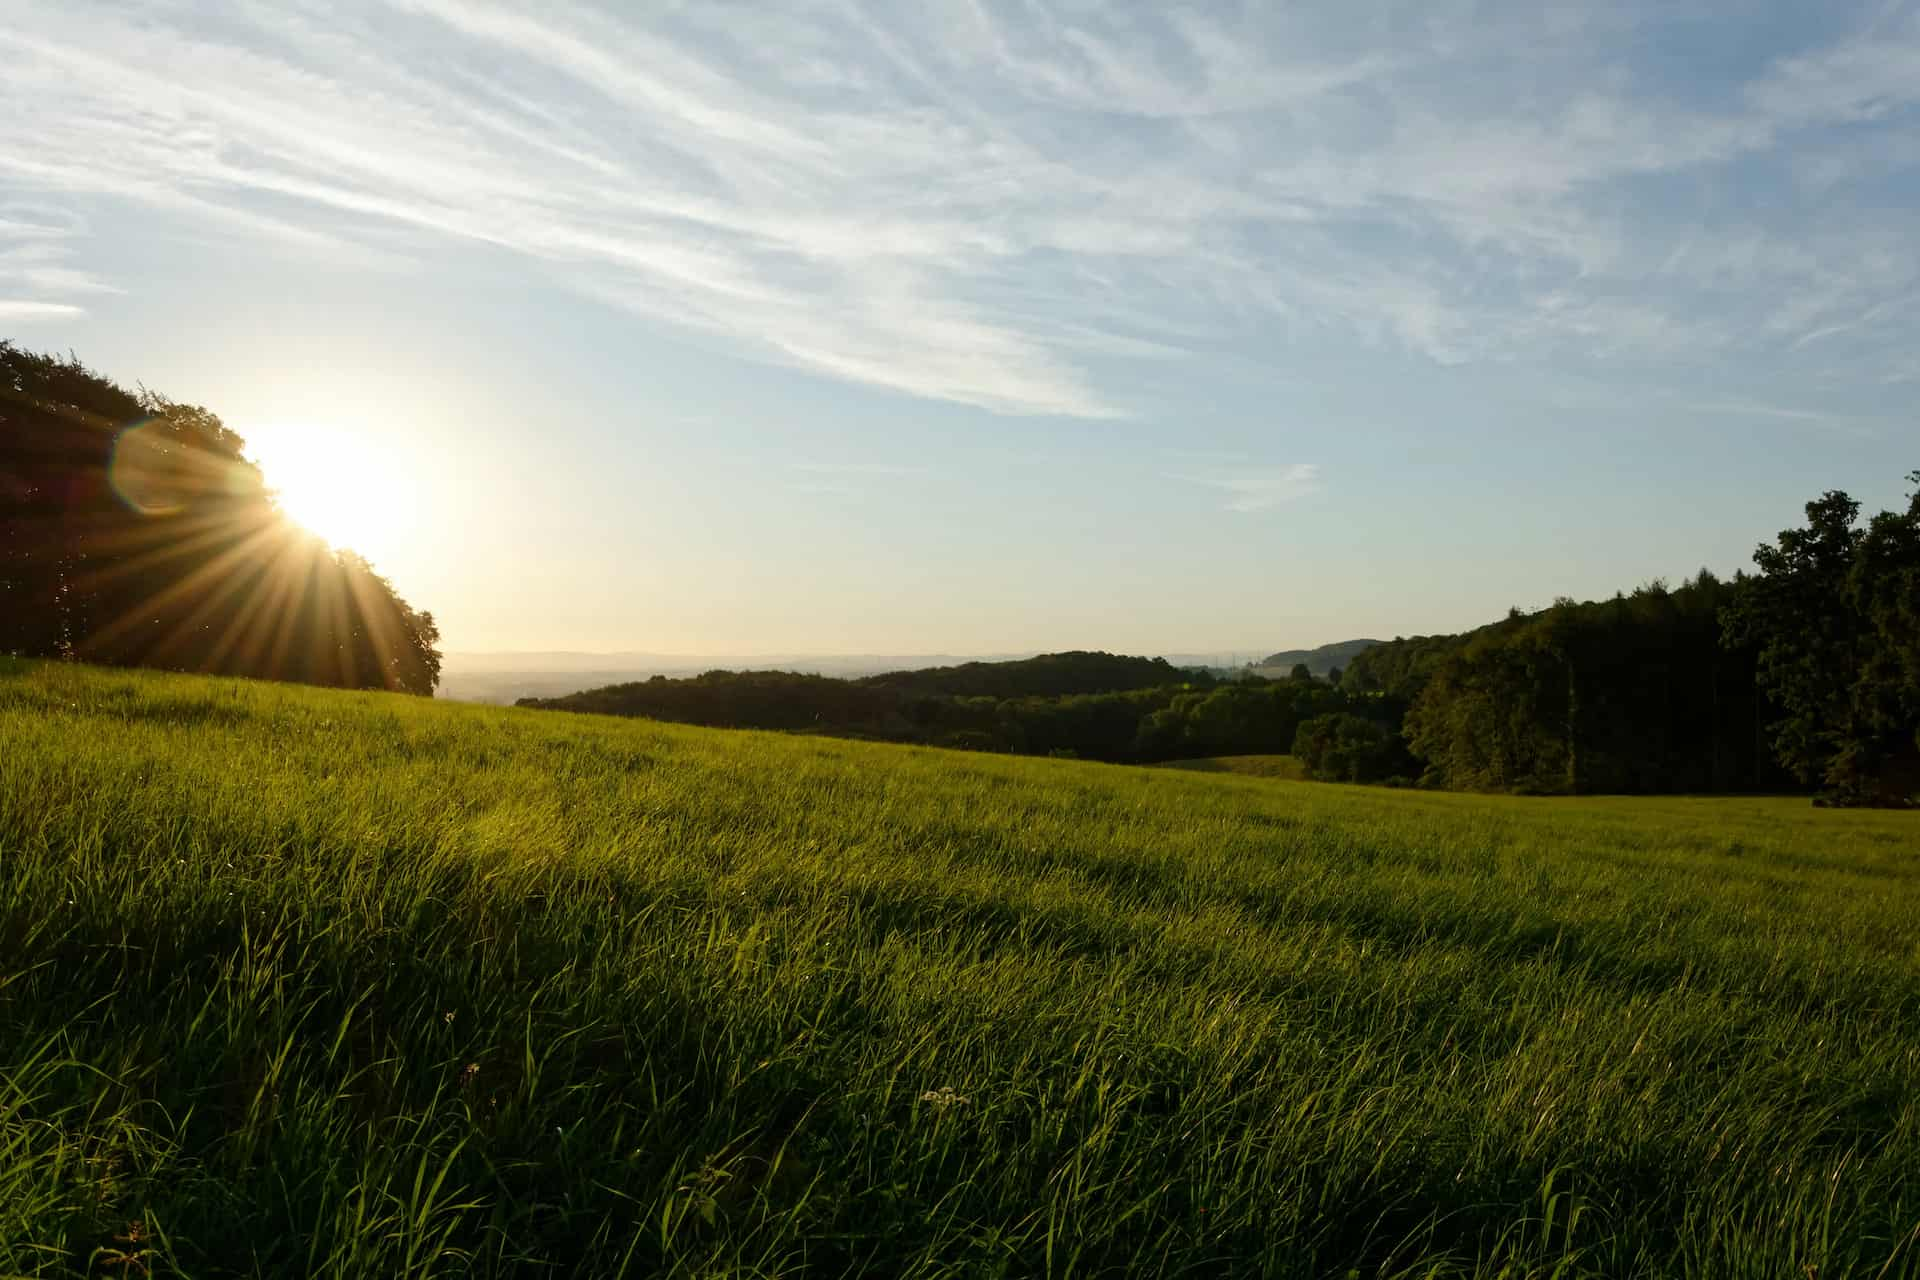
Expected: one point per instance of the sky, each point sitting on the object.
(831, 327)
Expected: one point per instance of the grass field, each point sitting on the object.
(1285, 767)
(295, 982)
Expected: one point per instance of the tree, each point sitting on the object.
(57, 425)
(1299, 672)
(1631, 694)
(1885, 584)
(1834, 617)
(1347, 748)
(133, 531)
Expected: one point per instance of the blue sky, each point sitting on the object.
(830, 327)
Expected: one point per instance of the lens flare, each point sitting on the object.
(157, 469)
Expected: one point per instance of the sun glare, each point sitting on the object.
(334, 483)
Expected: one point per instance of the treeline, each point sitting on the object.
(1634, 694)
(134, 532)
(1806, 674)
(1051, 675)
(1099, 706)
(742, 700)
(1638, 693)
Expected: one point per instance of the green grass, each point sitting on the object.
(360, 985)
(1284, 767)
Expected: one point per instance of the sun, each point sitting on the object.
(338, 484)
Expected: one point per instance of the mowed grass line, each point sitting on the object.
(311, 982)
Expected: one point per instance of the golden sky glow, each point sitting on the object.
(336, 483)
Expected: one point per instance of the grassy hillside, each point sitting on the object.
(295, 982)
(1287, 767)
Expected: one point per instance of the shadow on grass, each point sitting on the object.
(1208, 765)
(1283, 767)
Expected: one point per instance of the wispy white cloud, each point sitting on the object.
(1255, 488)
(31, 309)
(986, 202)
(1869, 74)
(37, 248)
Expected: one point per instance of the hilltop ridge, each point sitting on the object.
(1319, 660)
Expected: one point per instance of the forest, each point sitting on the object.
(1804, 674)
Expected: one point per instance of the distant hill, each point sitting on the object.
(1096, 705)
(870, 704)
(1319, 661)
(1050, 675)
(507, 677)
(824, 664)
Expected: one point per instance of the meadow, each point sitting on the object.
(305, 982)
(1252, 766)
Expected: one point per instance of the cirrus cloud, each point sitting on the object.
(985, 203)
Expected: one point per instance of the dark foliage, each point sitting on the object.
(1252, 717)
(1809, 671)
(1347, 748)
(1051, 675)
(744, 700)
(1834, 617)
(1632, 694)
(133, 532)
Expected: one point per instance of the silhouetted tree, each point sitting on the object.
(134, 532)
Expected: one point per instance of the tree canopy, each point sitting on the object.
(1834, 618)
(133, 531)
(1633, 694)
(1049, 675)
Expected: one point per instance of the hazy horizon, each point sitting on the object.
(990, 328)
(1252, 654)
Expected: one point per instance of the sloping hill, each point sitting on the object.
(785, 699)
(1269, 766)
(1087, 703)
(1319, 661)
(299, 982)
(1049, 675)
